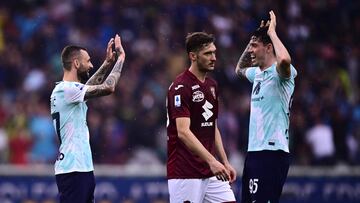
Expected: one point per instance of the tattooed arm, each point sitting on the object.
(108, 86)
(244, 62)
(99, 75)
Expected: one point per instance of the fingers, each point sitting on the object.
(223, 175)
(262, 23)
(272, 15)
(267, 23)
(117, 42)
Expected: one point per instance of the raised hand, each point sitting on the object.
(271, 23)
(110, 53)
(118, 47)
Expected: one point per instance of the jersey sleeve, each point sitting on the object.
(250, 74)
(293, 71)
(179, 101)
(75, 93)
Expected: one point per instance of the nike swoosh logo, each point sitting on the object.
(178, 87)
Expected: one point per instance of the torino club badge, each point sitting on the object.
(212, 89)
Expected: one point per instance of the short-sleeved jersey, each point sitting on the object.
(68, 110)
(189, 97)
(271, 99)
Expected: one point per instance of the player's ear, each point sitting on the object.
(76, 63)
(192, 56)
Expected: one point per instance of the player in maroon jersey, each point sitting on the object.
(194, 140)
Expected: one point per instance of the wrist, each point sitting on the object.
(272, 34)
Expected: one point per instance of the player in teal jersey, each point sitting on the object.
(74, 166)
(267, 64)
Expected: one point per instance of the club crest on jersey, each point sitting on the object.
(177, 101)
(198, 96)
(212, 89)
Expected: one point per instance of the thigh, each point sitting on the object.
(218, 191)
(76, 187)
(245, 192)
(187, 190)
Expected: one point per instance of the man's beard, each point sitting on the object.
(83, 76)
(203, 68)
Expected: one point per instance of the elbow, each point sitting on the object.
(237, 69)
(181, 135)
(109, 90)
(285, 61)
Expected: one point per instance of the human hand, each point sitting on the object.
(219, 170)
(232, 172)
(118, 47)
(271, 23)
(110, 54)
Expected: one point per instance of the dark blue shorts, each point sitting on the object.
(264, 175)
(76, 187)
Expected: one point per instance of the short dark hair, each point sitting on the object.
(68, 54)
(197, 40)
(261, 35)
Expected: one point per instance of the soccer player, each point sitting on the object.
(74, 166)
(267, 64)
(194, 174)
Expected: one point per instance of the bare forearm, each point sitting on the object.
(283, 58)
(244, 62)
(220, 147)
(195, 146)
(99, 75)
(108, 86)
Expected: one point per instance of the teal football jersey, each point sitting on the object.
(68, 110)
(271, 99)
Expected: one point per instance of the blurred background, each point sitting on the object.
(129, 127)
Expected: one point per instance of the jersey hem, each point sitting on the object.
(64, 172)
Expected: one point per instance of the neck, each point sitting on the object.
(70, 76)
(199, 74)
(268, 63)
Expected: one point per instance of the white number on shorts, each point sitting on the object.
(253, 185)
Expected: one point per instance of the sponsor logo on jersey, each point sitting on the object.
(178, 87)
(257, 88)
(212, 89)
(198, 96)
(207, 124)
(194, 87)
(177, 101)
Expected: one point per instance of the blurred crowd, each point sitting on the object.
(129, 127)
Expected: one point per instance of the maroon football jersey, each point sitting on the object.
(189, 97)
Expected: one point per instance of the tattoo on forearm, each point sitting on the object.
(244, 62)
(99, 76)
(110, 83)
